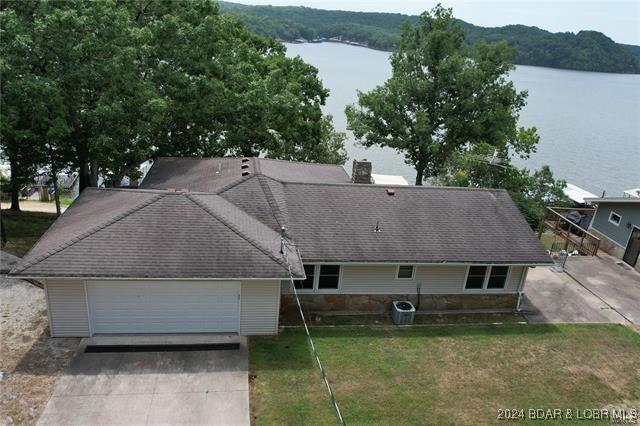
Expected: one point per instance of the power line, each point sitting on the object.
(336, 409)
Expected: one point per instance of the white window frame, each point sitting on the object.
(316, 280)
(485, 282)
(413, 273)
(613, 222)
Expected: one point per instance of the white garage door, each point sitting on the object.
(164, 306)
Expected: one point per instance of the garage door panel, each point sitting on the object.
(163, 306)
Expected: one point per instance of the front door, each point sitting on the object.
(633, 248)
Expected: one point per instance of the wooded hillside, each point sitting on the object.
(586, 50)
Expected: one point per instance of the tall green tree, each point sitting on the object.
(442, 98)
(141, 79)
(484, 167)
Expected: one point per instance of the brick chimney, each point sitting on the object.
(361, 171)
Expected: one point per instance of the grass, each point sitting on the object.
(442, 374)
(24, 229)
(385, 319)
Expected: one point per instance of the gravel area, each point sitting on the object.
(30, 360)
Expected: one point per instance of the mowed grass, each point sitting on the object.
(24, 229)
(443, 374)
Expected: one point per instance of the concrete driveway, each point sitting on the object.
(555, 297)
(195, 387)
(613, 282)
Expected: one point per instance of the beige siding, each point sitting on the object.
(381, 279)
(434, 279)
(513, 280)
(260, 306)
(68, 312)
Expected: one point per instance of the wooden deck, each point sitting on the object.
(575, 237)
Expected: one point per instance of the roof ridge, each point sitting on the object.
(86, 234)
(271, 200)
(412, 187)
(233, 228)
(230, 186)
(299, 162)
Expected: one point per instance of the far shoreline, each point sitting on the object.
(358, 44)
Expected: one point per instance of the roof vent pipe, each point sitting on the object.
(391, 191)
(244, 166)
(245, 160)
(246, 173)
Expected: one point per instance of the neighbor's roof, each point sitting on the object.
(157, 234)
(577, 194)
(613, 200)
(388, 179)
(232, 230)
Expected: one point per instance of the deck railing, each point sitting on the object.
(574, 236)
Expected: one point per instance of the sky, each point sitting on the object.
(618, 19)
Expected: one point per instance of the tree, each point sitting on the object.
(442, 98)
(141, 79)
(483, 167)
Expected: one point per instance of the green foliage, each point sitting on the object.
(442, 99)
(117, 83)
(586, 50)
(483, 167)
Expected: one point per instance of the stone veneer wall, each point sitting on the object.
(382, 302)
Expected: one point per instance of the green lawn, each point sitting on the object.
(24, 229)
(442, 374)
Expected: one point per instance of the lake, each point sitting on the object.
(589, 123)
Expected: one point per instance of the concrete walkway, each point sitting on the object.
(555, 297)
(191, 387)
(610, 280)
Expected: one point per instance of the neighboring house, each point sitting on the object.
(199, 248)
(617, 223)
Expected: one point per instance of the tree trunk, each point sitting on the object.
(419, 175)
(56, 196)
(93, 176)
(15, 187)
(83, 169)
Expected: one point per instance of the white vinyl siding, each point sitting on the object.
(434, 279)
(260, 307)
(514, 278)
(67, 304)
(163, 306)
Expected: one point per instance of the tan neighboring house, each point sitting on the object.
(209, 245)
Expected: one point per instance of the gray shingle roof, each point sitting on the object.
(336, 223)
(214, 174)
(168, 235)
(229, 226)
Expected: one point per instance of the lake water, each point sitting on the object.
(589, 123)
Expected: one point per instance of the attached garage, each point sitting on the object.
(141, 306)
(88, 307)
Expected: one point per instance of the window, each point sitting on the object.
(615, 218)
(307, 284)
(405, 272)
(329, 277)
(497, 277)
(475, 277)
(486, 277)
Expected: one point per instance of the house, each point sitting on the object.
(616, 222)
(210, 245)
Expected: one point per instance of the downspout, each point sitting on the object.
(521, 288)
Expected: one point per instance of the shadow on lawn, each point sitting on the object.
(47, 356)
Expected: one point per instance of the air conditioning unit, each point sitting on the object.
(403, 312)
